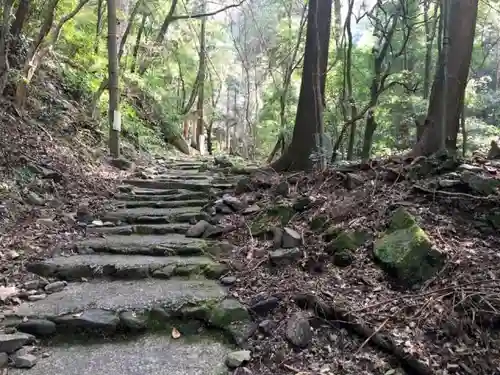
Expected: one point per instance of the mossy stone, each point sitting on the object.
(319, 222)
(408, 255)
(227, 312)
(401, 219)
(345, 241)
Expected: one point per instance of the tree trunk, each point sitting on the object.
(113, 66)
(138, 43)
(22, 13)
(201, 84)
(310, 107)
(4, 45)
(463, 14)
(98, 27)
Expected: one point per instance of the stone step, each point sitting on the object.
(180, 228)
(161, 204)
(182, 195)
(107, 307)
(196, 185)
(155, 215)
(184, 176)
(76, 267)
(148, 354)
(172, 244)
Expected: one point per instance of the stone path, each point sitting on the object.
(138, 281)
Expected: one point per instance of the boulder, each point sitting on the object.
(290, 238)
(9, 343)
(198, 229)
(406, 252)
(298, 331)
(238, 358)
(284, 256)
(480, 184)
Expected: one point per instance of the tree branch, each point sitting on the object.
(207, 14)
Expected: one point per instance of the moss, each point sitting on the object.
(215, 271)
(345, 241)
(408, 255)
(401, 219)
(319, 222)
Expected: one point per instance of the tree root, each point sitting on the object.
(349, 321)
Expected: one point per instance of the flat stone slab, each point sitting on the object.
(172, 244)
(120, 295)
(197, 185)
(148, 355)
(180, 228)
(162, 204)
(154, 215)
(87, 266)
(180, 195)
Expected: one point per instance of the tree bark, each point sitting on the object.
(4, 45)
(463, 14)
(113, 66)
(137, 44)
(310, 107)
(201, 84)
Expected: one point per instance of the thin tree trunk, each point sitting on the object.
(138, 43)
(4, 45)
(201, 85)
(98, 28)
(113, 66)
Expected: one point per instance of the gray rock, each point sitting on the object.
(242, 371)
(55, 287)
(284, 256)
(35, 199)
(91, 319)
(46, 222)
(243, 185)
(290, 239)
(222, 208)
(132, 321)
(23, 360)
(353, 181)
(343, 258)
(121, 163)
(4, 360)
(251, 209)
(264, 306)
(197, 230)
(480, 184)
(9, 343)
(266, 326)
(37, 327)
(222, 161)
(298, 331)
(234, 203)
(228, 280)
(37, 297)
(236, 359)
(166, 272)
(32, 284)
(83, 214)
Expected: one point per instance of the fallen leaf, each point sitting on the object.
(175, 333)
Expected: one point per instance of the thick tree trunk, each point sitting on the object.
(463, 14)
(4, 45)
(310, 107)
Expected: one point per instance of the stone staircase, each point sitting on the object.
(129, 289)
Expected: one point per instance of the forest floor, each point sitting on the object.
(362, 321)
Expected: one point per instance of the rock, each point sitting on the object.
(291, 238)
(251, 209)
(242, 371)
(282, 189)
(32, 284)
(7, 292)
(243, 185)
(494, 152)
(4, 360)
(353, 181)
(83, 214)
(447, 183)
(344, 241)
(37, 297)
(302, 203)
(217, 230)
(9, 343)
(34, 199)
(233, 202)
(277, 237)
(38, 327)
(222, 161)
(46, 222)
(319, 222)
(343, 258)
(284, 256)
(228, 280)
(222, 208)
(267, 326)
(97, 223)
(165, 273)
(265, 306)
(23, 360)
(236, 359)
(132, 321)
(470, 168)
(55, 287)
(91, 319)
(197, 230)
(298, 331)
(227, 312)
(480, 184)
(121, 163)
(406, 252)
